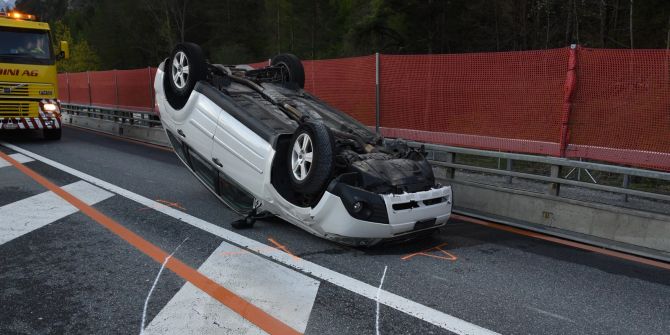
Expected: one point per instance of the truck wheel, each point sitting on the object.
(52, 134)
(185, 67)
(292, 66)
(310, 158)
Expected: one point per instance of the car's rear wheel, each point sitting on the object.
(292, 69)
(310, 158)
(185, 67)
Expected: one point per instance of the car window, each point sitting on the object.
(233, 195)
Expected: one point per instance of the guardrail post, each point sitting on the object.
(451, 159)
(626, 185)
(509, 168)
(555, 188)
(377, 98)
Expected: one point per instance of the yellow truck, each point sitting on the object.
(28, 78)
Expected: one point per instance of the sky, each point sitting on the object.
(9, 4)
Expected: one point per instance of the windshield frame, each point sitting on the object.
(29, 60)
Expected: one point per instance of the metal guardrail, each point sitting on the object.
(118, 115)
(448, 158)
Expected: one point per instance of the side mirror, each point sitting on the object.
(64, 50)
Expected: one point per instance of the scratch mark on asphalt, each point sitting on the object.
(549, 314)
(379, 291)
(146, 302)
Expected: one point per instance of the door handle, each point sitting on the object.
(217, 162)
(181, 133)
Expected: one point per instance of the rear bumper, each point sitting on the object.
(27, 123)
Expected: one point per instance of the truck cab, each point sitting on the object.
(28, 77)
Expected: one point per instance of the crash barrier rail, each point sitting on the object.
(597, 104)
(611, 206)
(117, 115)
(553, 171)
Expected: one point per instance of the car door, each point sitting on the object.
(242, 156)
(198, 128)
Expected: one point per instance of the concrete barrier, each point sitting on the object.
(639, 232)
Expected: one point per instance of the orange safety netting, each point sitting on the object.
(500, 101)
(621, 107)
(609, 105)
(347, 84)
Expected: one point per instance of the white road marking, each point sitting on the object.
(153, 286)
(24, 216)
(379, 291)
(283, 293)
(415, 309)
(21, 158)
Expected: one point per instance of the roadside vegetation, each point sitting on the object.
(108, 34)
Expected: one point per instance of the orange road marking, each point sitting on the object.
(242, 307)
(282, 248)
(447, 256)
(558, 240)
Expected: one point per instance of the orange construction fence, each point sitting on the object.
(599, 104)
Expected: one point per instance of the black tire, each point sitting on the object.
(295, 73)
(52, 134)
(321, 168)
(179, 90)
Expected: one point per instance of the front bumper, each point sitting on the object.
(21, 123)
(408, 213)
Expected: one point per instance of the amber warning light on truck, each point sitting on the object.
(18, 15)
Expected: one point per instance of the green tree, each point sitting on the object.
(82, 57)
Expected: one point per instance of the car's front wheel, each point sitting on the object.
(292, 69)
(310, 158)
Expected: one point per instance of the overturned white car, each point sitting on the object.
(263, 145)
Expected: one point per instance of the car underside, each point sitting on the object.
(314, 151)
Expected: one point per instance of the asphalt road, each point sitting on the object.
(73, 275)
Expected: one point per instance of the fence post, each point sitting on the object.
(116, 89)
(67, 80)
(377, 98)
(568, 90)
(151, 91)
(90, 98)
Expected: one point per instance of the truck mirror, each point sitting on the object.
(64, 50)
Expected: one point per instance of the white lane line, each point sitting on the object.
(153, 286)
(21, 158)
(379, 291)
(430, 315)
(23, 216)
(283, 293)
